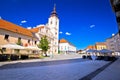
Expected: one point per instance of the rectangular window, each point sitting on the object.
(6, 37)
(51, 22)
(3, 49)
(56, 23)
(56, 33)
(35, 42)
(28, 41)
(55, 50)
(46, 31)
(61, 48)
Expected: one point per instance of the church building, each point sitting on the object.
(11, 33)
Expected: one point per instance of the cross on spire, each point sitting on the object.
(54, 13)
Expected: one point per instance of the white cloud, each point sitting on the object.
(34, 27)
(60, 32)
(67, 33)
(24, 21)
(91, 26)
(113, 34)
(0, 17)
(29, 27)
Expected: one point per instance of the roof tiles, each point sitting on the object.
(14, 28)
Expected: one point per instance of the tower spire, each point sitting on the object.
(54, 8)
(54, 13)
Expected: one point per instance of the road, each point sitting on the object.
(71, 69)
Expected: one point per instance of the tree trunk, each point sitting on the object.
(45, 54)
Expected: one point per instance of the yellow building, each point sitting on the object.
(100, 45)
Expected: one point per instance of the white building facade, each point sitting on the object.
(51, 30)
(66, 47)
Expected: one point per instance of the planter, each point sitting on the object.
(4, 57)
(24, 57)
(14, 57)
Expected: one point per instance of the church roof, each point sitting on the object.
(35, 30)
(14, 28)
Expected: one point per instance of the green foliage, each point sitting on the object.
(58, 51)
(41, 56)
(1, 51)
(17, 50)
(19, 42)
(44, 44)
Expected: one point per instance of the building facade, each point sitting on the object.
(97, 46)
(116, 8)
(11, 33)
(100, 45)
(66, 47)
(51, 30)
(113, 43)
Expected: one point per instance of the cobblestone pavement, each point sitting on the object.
(39, 63)
(68, 70)
(54, 58)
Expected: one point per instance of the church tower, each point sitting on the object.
(53, 23)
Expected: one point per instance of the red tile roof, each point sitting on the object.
(35, 30)
(91, 47)
(14, 28)
(63, 41)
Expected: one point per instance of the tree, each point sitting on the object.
(44, 44)
(1, 51)
(19, 42)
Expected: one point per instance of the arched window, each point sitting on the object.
(56, 22)
(51, 22)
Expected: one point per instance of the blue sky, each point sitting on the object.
(82, 22)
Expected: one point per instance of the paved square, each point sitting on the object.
(71, 71)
